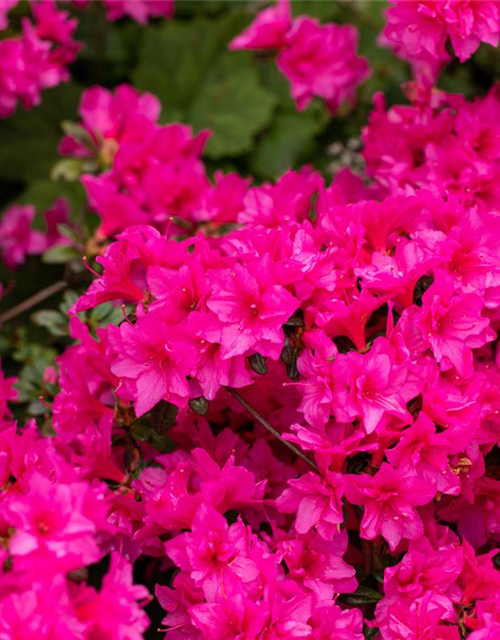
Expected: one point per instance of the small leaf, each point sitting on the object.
(69, 169)
(163, 416)
(363, 595)
(30, 139)
(199, 405)
(258, 364)
(60, 254)
(52, 320)
(233, 105)
(288, 143)
(370, 633)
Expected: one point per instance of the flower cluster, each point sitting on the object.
(295, 426)
(419, 30)
(139, 10)
(444, 145)
(18, 237)
(38, 58)
(153, 172)
(319, 60)
(375, 320)
(54, 523)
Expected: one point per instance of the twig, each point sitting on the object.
(30, 302)
(271, 429)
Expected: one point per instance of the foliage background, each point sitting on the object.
(240, 96)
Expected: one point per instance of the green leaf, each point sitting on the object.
(60, 254)
(363, 595)
(233, 105)
(176, 56)
(29, 139)
(36, 358)
(370, 633)
(288, 143)
(69, 299)
(54, 321)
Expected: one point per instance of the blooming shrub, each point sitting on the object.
(265, 406)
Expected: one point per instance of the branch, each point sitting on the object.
(271, 429)
(27, 304)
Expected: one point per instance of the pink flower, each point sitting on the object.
(252, 309)
(286, 202)
(470, 24)
(424, 568)
(37, 59)
(114, 611)
(330, 621)
(215, 555)
(321, 60)
(139, 10)
(389, 500)
(426, 618)
(54, 519)
(236, 617)
(111, 119)
(156, 358)
(17, 238)
(319, 564)
(424, 453)
(268, 30)
(58, 214)
(317, 502)
(452, 325)
(372, 386)
(419, 29)
(7, 394)
(5, 7)
(212, 370)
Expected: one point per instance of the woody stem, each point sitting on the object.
(30, 302)
(271, 429)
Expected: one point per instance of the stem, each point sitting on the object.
(27, 304)
(271, 429)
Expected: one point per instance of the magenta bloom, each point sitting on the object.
(452, 325)
(424, 453)
(17, 238)
(52, 519)
(215, 555)
(156, 357)
(5, 7)
(321, 60)
(252, 309)
(419, 29)
(268, 30)
(316, 503)
(111, 119)
(139, 10)
(389, 500)
(114, 612)
(236, 617)
(372, 386)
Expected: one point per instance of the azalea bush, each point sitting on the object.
(250, 384)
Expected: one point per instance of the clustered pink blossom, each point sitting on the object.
(393, 397)
(319, 60)
(5, 8)
(419, 30)
(36, 59)
(356, 324)
(154, 173)
(19, 238)
(139, 10)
